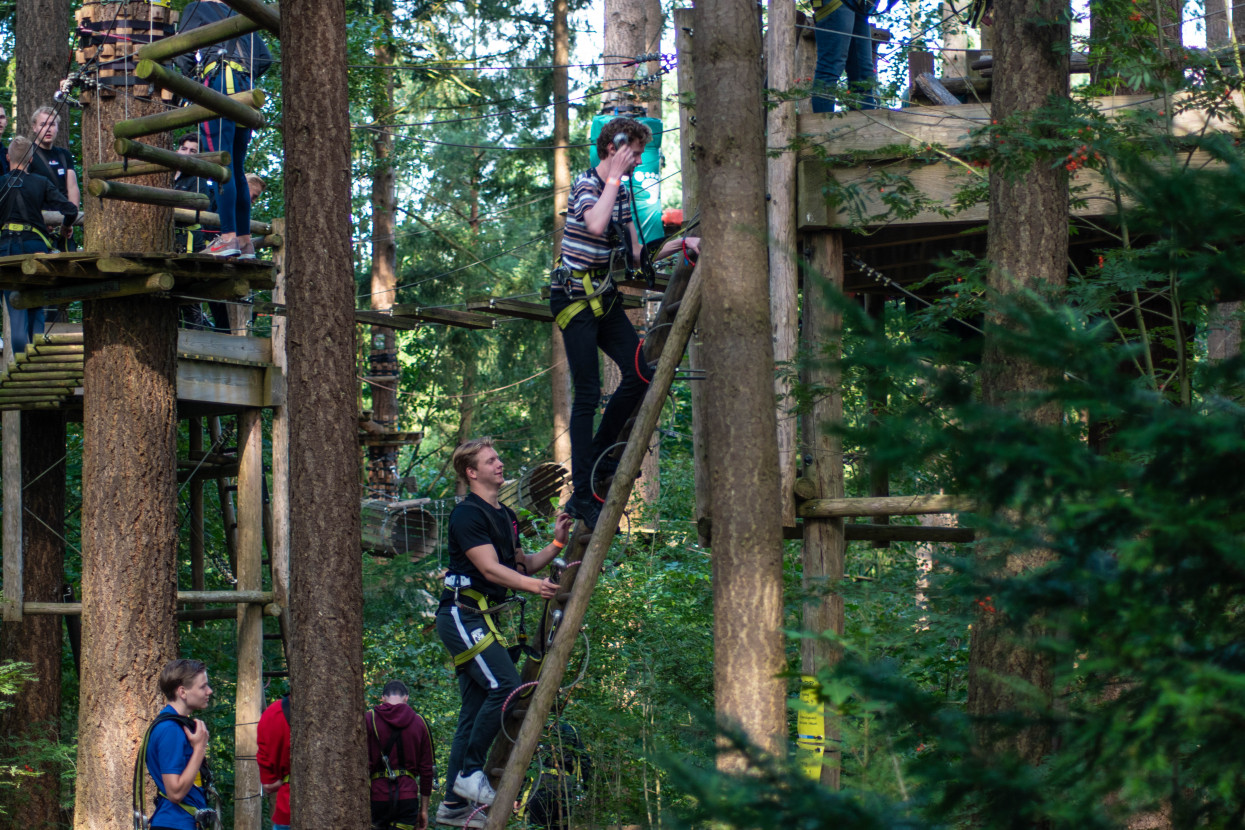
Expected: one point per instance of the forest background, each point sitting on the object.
(1137, 610)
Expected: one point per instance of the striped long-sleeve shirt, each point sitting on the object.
(581, 250)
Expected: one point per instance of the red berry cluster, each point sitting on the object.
(985, 605)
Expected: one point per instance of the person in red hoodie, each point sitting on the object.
(274, 759)
(400, 760)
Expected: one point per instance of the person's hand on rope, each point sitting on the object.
(548, 589)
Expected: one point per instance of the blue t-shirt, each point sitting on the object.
(169, 751)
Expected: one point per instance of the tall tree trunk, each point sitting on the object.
(41, 31)
(328, 781)
(739, 360)
(623, 40)
(780, 173)
(560, 374)
(383, 362)
(1027, 250)
(41, 45)
(1218, 26)
(35, 714)
(129, 491)
(627, 30)
(466, 407)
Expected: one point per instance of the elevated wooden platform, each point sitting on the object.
(217, 373)
(56, 279)
(899, 180)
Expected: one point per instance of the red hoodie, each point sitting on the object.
(412, 750)
(274, 758)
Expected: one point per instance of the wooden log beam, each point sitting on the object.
(885, 506)
(54, 348)
(56, 338)
(196, 92)
(192, 39)
(162, 122)
(71, 359)
(74, 609)
(190, 165)
(226, 289)
(211, 221)
(143, 194)
(21, 400)
(37, 382)
(265, 14)
(32, 268)
(125, 169)
(272, 240)
(516, 308)
(366, 317)
(92, 291)
(445, 316)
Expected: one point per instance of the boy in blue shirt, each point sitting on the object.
(177, 746)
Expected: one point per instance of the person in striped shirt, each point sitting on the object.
(599, 244)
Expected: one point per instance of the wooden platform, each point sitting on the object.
(852, 165)
(67, 277)
(216, 373)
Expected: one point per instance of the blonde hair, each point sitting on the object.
(466, 453)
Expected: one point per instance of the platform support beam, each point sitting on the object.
(824, 542)
(248, 812)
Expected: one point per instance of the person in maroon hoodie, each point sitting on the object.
(399, 751)
(274, 759)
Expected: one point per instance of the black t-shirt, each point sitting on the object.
(24, 197)
(475, 522)
(54, 165)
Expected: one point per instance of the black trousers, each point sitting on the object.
(407, 814)
(613, 334)
(484, 683)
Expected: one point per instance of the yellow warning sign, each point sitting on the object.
(810, 727)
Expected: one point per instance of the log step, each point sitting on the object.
(164, 196)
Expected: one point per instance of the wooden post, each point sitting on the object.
(248, 812)
(190, 165)
(228, 516)
(104, 189)
(780, 185)
(279, 550)
(169, 120)
(196, 512)
(684, 23)
(192, 39)
(12, 473)
(196, 92)
(126, 169)
(267, 15)
(877, 399)
(824, 543)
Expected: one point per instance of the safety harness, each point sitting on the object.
(21, 227)
(18, 227)
(204, 818)
(478, 602)
(392, 773)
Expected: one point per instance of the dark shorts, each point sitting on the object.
(407, 813)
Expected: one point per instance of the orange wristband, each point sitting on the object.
(615, 182)
(559, 545)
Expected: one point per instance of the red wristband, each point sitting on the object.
(559, 545)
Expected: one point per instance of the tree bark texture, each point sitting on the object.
(129, 493)
(1027, 250)
(35, 713)
(684, 25)
(825, 544)
(329, 760)
(129, 535)
(42, 49)
(739, 360)
(383, 357)
(560, 374)
(1218, 25)
(623, 40)
(41, 32)
(781, 126)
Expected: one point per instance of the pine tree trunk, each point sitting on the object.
(1027, 249)
(41, 64)
(41, 32)
(739, 360)
(129, 493)
(1218, 26)
(560, 374)
(328, 781)
(383, 361)
(35, 714)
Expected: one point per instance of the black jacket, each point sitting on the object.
(248, 50)
(24, 196)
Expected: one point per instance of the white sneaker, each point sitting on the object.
(465, 816)
(475, 787)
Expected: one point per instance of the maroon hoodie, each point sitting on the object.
(411, 751)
